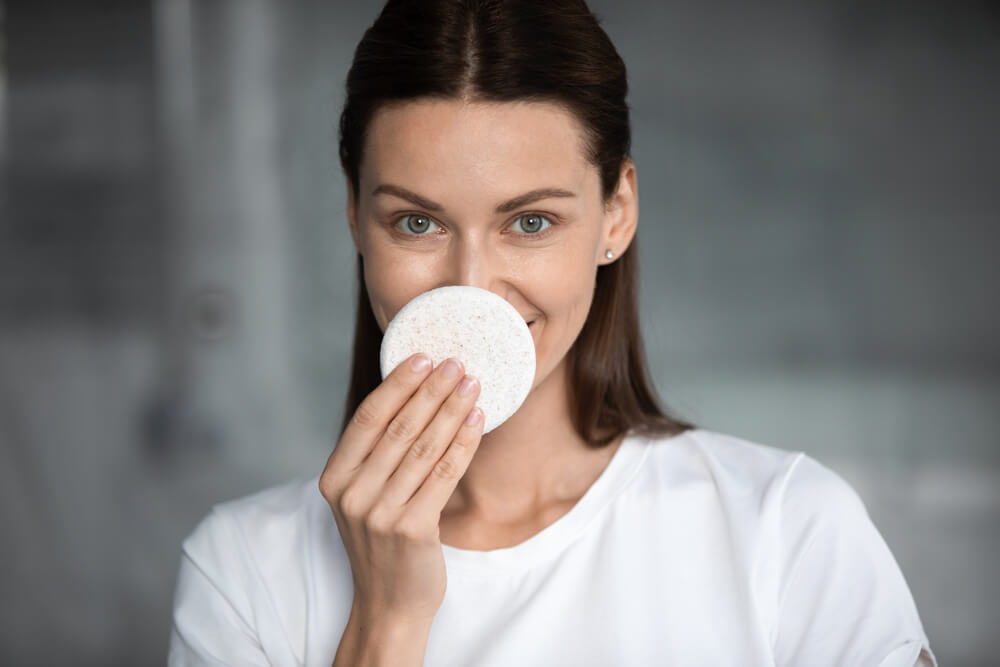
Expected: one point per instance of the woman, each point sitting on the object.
(487, 144)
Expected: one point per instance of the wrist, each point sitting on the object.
(390, 623)
(387, 638)
(386, 628)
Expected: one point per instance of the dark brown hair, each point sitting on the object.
(517, 50)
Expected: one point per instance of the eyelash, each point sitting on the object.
(532, 236)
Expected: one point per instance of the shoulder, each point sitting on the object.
(243, 581)
(734, 466)
(767, 492)
(276, 508)
(824, 581)
(258, 533)
(731, 455)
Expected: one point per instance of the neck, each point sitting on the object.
(533, 460)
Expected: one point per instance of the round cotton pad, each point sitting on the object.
(477, 327)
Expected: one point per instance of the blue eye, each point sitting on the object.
(416, 224)
(532, 223)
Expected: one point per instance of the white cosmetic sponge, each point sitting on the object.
(477, 327)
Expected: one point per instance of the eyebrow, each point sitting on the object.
(505, 207)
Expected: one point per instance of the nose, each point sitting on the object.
(472, 263)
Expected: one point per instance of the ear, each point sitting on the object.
(352, 214)
(621, 215)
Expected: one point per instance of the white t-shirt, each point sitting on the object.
(698, 549)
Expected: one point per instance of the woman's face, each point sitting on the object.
(494, 195)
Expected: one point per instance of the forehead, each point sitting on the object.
(513, 144)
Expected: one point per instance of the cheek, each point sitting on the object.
(564, 287)
(391, 283)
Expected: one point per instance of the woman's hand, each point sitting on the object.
(388, 480)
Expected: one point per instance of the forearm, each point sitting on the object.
(381, 642)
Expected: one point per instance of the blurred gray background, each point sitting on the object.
(819, 192)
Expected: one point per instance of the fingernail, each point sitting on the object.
(451, 369)
(420, 363)
(473, 417)
(468, 386)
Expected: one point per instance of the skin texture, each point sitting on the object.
(462, 159)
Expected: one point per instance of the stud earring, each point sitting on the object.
(609, 254)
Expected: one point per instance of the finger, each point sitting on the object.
(427, 450)
(438, 487)
(376, 411)
(407, 428)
